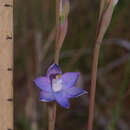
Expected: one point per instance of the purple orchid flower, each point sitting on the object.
(58, 86)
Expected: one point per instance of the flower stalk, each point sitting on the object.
(52, 105)
(61, 30)
(105, 15)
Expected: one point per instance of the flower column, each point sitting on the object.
(6, 65)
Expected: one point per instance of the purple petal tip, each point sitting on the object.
(54, 69)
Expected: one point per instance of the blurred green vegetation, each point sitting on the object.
(121, 93)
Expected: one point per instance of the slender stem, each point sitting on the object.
(51, 115)
(56, 58)
(52, 105)
(104, 21)
(93, 85)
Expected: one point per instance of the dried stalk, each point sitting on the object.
(105, 16)
(6, 65)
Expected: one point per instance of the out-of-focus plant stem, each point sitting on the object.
(105, 15)
(116, 111)
(57, 49)
(52, 105)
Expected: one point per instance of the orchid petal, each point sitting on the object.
(43, 83)
(46, 97)
(62, 99)
(74, 92)
(69, 79)
(54, 69)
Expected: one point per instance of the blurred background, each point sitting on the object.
(34, 33)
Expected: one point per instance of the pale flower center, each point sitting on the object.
(57, 84)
